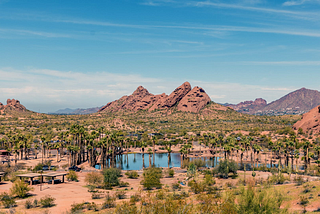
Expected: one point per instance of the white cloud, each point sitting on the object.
(300, 63)
(51, 90)
(299, 2)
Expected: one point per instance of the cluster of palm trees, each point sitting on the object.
(100, 146)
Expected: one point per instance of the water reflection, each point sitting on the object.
(138, 161)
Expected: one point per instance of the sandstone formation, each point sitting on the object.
(310, 121)
(194, 101)
(141, 99)
(249, 106)
(12, 105)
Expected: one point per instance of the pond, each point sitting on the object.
(136, 161)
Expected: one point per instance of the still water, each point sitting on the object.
(134, 161)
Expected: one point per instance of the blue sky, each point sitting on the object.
(57, 54)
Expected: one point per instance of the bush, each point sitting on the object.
(109, 202)
(151, 178)
(170, 173)
(47, 201)
(132, 174)
(123, 184)
(20, 189)
(121, 195)
(94, 179)
(72, 176)
(111, 177)
(35, 203)
(176, 186)
(135, 198)
(28, 204)
(95, 196)
(7, 200)
(225, 167)
(196, 187)
(277, 179)
(251, 200)
(208, 179)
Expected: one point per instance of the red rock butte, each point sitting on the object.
(12, 105)
(310, 121)
(182, 98)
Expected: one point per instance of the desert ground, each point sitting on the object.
(70, 192)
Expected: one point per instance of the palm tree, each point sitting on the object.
(169, 155)
(149, 152)
(154, 140)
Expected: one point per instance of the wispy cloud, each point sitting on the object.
(33, 33)
(53, 89)
(300, 2)
(248, 5)
(300, 63)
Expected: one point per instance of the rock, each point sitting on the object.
(177, 95)
(249, 107)
(310, 121)
(141, 99)
(1, 106)
(13, 105)
(194, 101)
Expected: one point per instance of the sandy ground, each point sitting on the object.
(69, 193)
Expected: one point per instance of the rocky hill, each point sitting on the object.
(12, 105)
(297, 102)
(310, 121)
(249, 107)
(182, 98)
(76, 111)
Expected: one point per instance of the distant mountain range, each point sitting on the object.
(185, 98)
(77, 111)
(297, 102)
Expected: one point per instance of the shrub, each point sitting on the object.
(126, 208)
(252, 200)
(95, 196)
(208, 179)
(160, 195)
(277, 179)
(7, 200)
(35, 203)
(94, 179)
(121, 195)
(132, 174)
(196, 187)
(38, 167)
(28, 204)
(225, 167)
(123, 184)
(20, 189)
(77, 207)
(47, 201)
(151, 178)
(72, 176)
(135, 198)
(176, 186)
(111, 177)
(170, 173)
(109, 202)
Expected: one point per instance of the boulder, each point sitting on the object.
(177, 95)
(194, 101)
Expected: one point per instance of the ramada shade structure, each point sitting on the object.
(31, 176)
